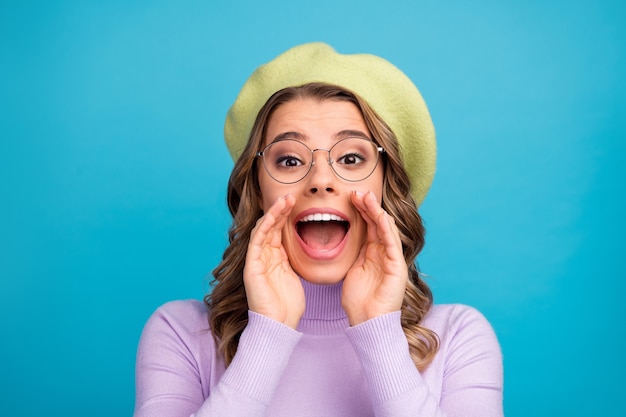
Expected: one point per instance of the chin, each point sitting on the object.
(322, 274)
(319, 281)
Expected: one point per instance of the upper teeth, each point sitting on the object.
(321, 217)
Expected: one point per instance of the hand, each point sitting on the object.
(272, 287)
(376, 283)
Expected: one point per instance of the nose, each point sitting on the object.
(322, 177)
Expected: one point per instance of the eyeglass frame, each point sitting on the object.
(379, 150)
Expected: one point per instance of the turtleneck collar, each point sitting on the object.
(323, 314)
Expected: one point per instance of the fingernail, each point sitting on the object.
(359, 193)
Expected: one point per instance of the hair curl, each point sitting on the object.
(227, 302)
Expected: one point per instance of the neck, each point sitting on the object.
(323, 313)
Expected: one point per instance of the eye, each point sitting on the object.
(352, 158)
(288, 161)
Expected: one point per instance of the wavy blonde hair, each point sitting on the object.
(227, 302)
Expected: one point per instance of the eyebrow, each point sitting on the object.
(348, 133)
(351, 134)
(289, 135)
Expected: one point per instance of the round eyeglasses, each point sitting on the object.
(289, 161)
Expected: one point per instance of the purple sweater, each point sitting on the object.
(325, 368)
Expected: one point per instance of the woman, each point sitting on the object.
(318, 308)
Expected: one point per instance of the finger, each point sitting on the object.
(391, 239)
(385, 226)
(359, 204)
(358, 200)
(391, 235)
(269, 227)
(278, 213)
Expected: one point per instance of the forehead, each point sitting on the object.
(311, 119)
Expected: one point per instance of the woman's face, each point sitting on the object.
(321, 252)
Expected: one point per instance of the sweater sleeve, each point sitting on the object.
(472, 378)
(169, 381)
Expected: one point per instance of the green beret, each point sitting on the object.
(387, 90)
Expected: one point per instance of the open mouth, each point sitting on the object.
(322, 231)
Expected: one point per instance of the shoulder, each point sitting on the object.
(465, 335)
(182, 318)
(461, 328)
(183, 308)
(443, 318)
(176, 357)
(186, 310)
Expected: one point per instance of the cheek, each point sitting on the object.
(271, 190)
(375, 183)
(379, 183)
(267, 191)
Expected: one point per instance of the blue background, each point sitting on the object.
(113, 174)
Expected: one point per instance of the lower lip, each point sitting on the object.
(323, 255)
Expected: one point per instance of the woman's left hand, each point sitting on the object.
(376, 283)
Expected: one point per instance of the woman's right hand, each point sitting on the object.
(272, 287)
